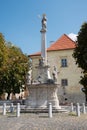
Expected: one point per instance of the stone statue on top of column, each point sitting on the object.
(44, 22)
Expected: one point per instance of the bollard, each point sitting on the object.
(50, 110)
(78, 109)
(83, 108)
(72, 107)
(4, 108)
(18, 110)
(11, 108)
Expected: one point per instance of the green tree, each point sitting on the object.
(13, 70)
(2, 58)
(80, 55)
(17, 66)
(2, 49)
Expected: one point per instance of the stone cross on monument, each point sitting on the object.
(43, 39)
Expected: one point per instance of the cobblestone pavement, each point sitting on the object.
(41, 121)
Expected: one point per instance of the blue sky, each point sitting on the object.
(20, 24)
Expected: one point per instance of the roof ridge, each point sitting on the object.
(69, 38)
(68, 43)
(60, 38)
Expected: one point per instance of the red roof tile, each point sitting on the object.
(35, 54)
(63, 43)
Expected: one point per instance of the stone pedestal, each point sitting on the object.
(40, 95)
(42, 88)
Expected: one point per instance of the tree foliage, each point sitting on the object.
(14, 69)
(2, 49)
(2, 58)
(80, 54)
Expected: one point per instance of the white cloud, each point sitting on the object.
(39, 16)
(73, 36)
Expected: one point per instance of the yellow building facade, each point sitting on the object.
(59, 54)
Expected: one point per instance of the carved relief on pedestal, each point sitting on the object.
(42, 97)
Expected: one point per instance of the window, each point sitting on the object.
(64, 62)
(64, 82)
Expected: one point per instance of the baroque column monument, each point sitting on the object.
(43, 89)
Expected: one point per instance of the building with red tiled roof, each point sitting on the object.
(59, 54)
(63, 43)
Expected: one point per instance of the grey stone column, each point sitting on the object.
(4, 108)
(18, 110)
(43, 39)
(50, 110)
(83, 108)
(11, 108)
(78, 109)
(72, 108)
